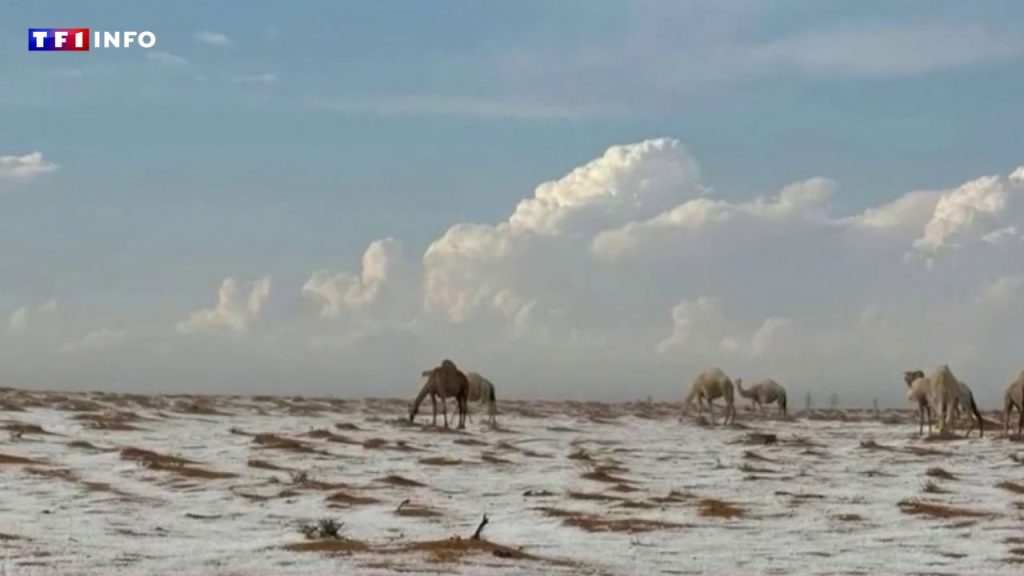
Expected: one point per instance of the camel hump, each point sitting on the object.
(448, 363)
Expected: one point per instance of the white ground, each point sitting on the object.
(158, 522)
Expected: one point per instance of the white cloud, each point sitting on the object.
(804, 200)
(1001, 235)
(912, 210)
(888, 51)
(961, 212)
(213, 39)
(335, 292)
(97, 340)
(22, 168)
(20, 320)
(238, 305)
(167, 58)
(702, 327)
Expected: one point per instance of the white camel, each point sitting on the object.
(939, 393)
(965, 403)
(1014, 398)
(764, 392)
(481, 390)
(708, 385)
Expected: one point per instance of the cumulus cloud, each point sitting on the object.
(335, 292)
(238, 305)
(211, 38)
(703, 327)
(22, 168)
(963, 211)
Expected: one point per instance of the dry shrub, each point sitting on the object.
(922, 451)
(581, 455)
(1011, 486)
(374, 443)
(714, 508)
(439, 461)
(936, 472)
(595, 523)
(347, 426)
(396, 480)
(936, 510)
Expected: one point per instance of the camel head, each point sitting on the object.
(427, 373)
(911, 375)
(412, 412)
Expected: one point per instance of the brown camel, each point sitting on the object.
(1014, 398)
(446, 381)
(764, 392)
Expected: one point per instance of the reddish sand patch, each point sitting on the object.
(937, 510)
(276, 442)
(346, 499)
(396, 480)
(440, 461)
(595, 523)
(714, 508)
(9, 459)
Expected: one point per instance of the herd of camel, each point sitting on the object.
(940, 394)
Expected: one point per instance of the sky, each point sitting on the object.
(587, 200)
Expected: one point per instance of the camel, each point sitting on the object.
(1014, 398)
(482, 390)
(764, 392)
(446, 381)
(709, 385)
(965, 403)
(941, 392)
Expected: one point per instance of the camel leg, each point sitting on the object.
(711, 411)
(444, 410)
(433, 403)
(465, 412)
(1020, 419)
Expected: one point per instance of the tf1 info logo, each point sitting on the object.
(77, 39)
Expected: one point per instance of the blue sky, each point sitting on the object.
(275, 139)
